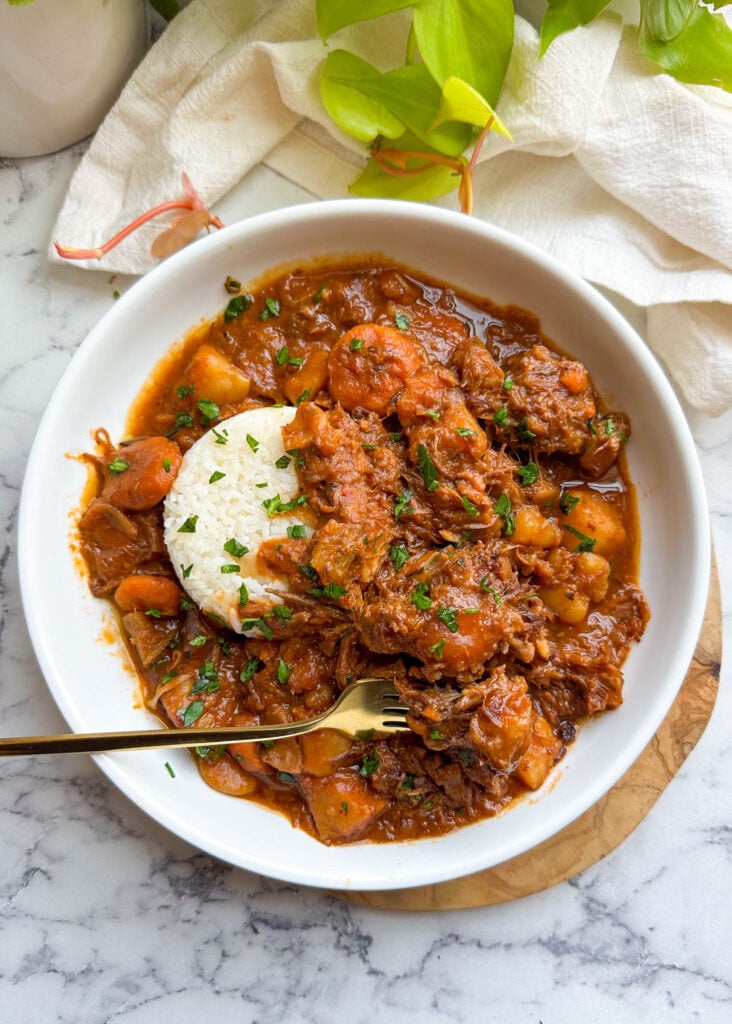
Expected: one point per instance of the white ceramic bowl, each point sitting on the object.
(87, 677)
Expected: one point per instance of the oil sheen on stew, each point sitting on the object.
(475, 539)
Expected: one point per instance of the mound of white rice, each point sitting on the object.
(219, 499)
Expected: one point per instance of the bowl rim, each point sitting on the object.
(599, 306)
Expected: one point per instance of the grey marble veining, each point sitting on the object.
(106, 917)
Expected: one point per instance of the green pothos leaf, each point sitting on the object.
(429, 181)
(563, 15)
(336, 14)
(411, 94)
(354, 112)
(461, 102)
(700, 54)
(470, 39)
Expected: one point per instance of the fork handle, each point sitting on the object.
(150, 739)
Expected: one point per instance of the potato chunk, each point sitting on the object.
(342, 806)
(596, 519)
(543, 750)
(214, 376)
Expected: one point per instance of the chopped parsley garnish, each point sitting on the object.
(252, 442)
(295, 453)
(183, 419)
(369, 764)
(507, 382)
(502, 506)
(448, 616)
(243, 595)
(189, 526)
(281, 612)
(609, 425)
(308, 572)
(185, 390)
(213, 754)
(224, 645)
(522, 431)
(591, 427)
(469, 506)
(186, 570)
(433, 415)
(283, 462)
(262, 484)
(251, 666)
(282, 672)
(169, 769)
(421, 596)
(230, 567)
(484, 585)
(356, 344)
(369, 447)
(232, 286)
(585, 543)
(233, 547)
(427, 468)
(344, 805)
(166, 465)
(408, 782)
(319, 294)
(402, 321)
(435, 734)
(568, 502)
(274, 506)
(192, 713)
(396, 437)
(331, 590)
(401, 505)
(303, 397)
(282, 355)
(154, 613)
(118, 466)
(216, 476)
(207, 680)
(286, 777)
(199, 641)
(271, 308)
(528, 474)
(398, 554)
(259, 624)
(209, 411)
(236, 306)
(186, 605)
(222, 436)
(500, 416)
(464, 431)
(436, 649)
(297, 531)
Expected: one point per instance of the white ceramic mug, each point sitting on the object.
(62, 66)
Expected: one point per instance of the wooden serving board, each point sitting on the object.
(605, 825)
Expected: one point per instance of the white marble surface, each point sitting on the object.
(107, 917)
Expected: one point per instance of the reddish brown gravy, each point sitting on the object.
(501, 597)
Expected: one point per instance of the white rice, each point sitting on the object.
(231, 508)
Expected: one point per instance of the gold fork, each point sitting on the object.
(366, 707)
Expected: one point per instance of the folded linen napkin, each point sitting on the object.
(622, 174)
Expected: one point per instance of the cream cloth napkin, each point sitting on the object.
(621, 174)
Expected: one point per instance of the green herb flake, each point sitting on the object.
(319, 294)
(169, 769)
(192, 713)
(507, 382)
(396, 438)
(585, 543)
(464, 432)
(236, 306)
(282, 355)
(183, 419)
(308, 572)
(252, 442)
(199, 641)
(401, 505)
(209, 411)
(500, 416)
(436, 649)
(166, 465)
(356, 344)
(408, 781)
(251, 666)
(502, 506)
(243, 595)
(398, 554)
(189, 526)
(369, 447)
(283, 462)
(216, 476)
(484, 585)
(232, 286)
(528, 474)
(274, 506)
(260, 624)
(297, 531)
(568, 502)
(224, 645)
(522, 431)
(303, 397)
(469, 506)
(609, 426)
(421, 596)
(235, 548)
(186, 605)
(282, 672)
(154, 613)
(427, 469)
(185, 390)
(344, 805)
(330, 590)
(281, 612)
(271, 309)
(230, 567)
(286, 777)
(448, 616)
(435, 734)
(591, 427)
(221, 436)
(433, 415)
(369, 764)
(402, 321)
(118, 466)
